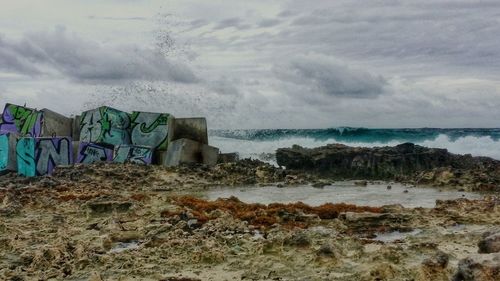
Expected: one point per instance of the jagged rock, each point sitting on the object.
(326, 250)
(299, 239)
(485, 267)
(490, 243)
(439, 260)
(108, 207)
(402, 162)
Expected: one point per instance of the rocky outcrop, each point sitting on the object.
(490, 243)
(398, 162)
(479, 268)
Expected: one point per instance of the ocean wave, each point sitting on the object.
(257, 143)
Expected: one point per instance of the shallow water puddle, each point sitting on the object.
(124, 246)
(347, 192)
(395, 235)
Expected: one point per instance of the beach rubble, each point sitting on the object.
(109, 221)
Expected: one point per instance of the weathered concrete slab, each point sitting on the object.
(91, 153)
(55, 124)
(183, 151)
(105, 125)
(75, 127)
(39, 156)
(133, 154)
(189, 128)
(209, 155)
(8, 161)
(21, 120)
(149, 129)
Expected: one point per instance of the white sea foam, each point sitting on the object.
(477, 146)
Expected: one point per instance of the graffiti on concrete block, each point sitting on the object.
(25, 151)
(7, 152)
(149, 129)
(39, 156)
(52, 152)
(4, 152)
(133, 154)
(105, 125)
(22, 120)
(91, 153)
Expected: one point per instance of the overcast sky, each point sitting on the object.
(259, 64)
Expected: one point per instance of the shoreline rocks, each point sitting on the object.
(405, 162)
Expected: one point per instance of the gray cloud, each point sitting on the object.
(225, 86)
(62, 53)
(268, 22)
(231, 22)
(324, 75)
(397, 63)
(117, 18)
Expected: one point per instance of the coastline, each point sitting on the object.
(125, 221)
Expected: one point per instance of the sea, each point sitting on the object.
(262, 143)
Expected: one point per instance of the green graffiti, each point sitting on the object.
(150, 129)
(27, 121)
(4, 152)
(25, 150)
(105, 125)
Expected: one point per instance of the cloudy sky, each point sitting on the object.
(259, 64)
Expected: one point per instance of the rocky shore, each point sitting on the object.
(406, 162)
(136, 222)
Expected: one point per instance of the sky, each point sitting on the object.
(259, 64)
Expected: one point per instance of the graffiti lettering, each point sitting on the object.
(51, 152)
(21, 120)
(91, 153)
(25, 150)
(7, 152)
(150, 129)
(105, 125)
(133, 154)
(4, 152)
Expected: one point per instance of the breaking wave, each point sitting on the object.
(260, 143)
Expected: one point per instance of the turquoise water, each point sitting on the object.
(252, 143)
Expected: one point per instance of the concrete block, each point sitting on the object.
(105, 125)
(75, 145)
(209, 154)
(133, 154)
(55, 124)
(75, 127)
(39, 156)
(91, 153)
(183, 151)
(189, 128)
(8, 159)
(149, 129)
(26, 122)
(228, 157)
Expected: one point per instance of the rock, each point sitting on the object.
(404, 160)
(361, 183)
(299, 239)
(483, 267)
(490, 243)
(228, 157)
(320, 184)
(326, 250)
(108, 207)
(439, 260)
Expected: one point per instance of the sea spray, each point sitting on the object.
(254, 143)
